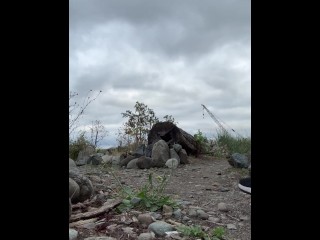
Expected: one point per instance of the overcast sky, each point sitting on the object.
(172, 55)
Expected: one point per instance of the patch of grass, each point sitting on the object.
(227, 145)
(197, 232)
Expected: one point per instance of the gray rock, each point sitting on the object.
(172, 163)
(74, 189)
(144, 162)
(94, 160)
(146, 236)
(244, 218)
(214, 219)
(231, 226)
(160, 153)
(202, 215)
(156, 216)
(192, 212)
(116, 160)
(174, 154)
(73, 234)
(125, 161)
(177, 147)
(145, 219)
(160, 228)
(133, 164)
(135, 200)
(185, 218)
(106, 159)
(167, 211)
(238, 160)
(183, 157)
(72, 164)
(86, 188)
(223, 207)
(177, 213)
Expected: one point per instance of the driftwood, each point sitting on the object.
(82, 222)
(170, 133)
(95, 213)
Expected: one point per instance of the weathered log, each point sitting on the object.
(82, 222)
(170, 133)
(99, 211)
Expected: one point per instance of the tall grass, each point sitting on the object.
(226, 144)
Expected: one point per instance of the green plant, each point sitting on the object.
(75, 146)
(196, 231)
(192, 231)
(150, 195)
(201, 141)
(218, 232)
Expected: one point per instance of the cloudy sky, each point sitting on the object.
(172, 55)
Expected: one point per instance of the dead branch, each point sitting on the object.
(82, 222)
(99, 211)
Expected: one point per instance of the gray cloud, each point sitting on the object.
(171, 55)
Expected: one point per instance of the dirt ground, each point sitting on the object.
(205, 183)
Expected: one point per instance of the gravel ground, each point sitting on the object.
(205, 183)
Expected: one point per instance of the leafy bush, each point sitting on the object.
(202, 142)
(75, 146)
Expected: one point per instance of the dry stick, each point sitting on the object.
(233, 217)
(82, 222)
(175, 223)
(99, 211)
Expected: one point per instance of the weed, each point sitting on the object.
(197, 232)
(150, 196)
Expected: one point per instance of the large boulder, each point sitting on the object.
(74, 189)
(238, 160)
(133, 164)
(144, 162)
(72, 164)
(160, 153)
(85, 185)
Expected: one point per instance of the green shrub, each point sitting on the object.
(202, 142)
(75, 146)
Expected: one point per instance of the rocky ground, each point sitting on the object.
(206, 184)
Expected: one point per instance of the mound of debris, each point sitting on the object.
(171, 134)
